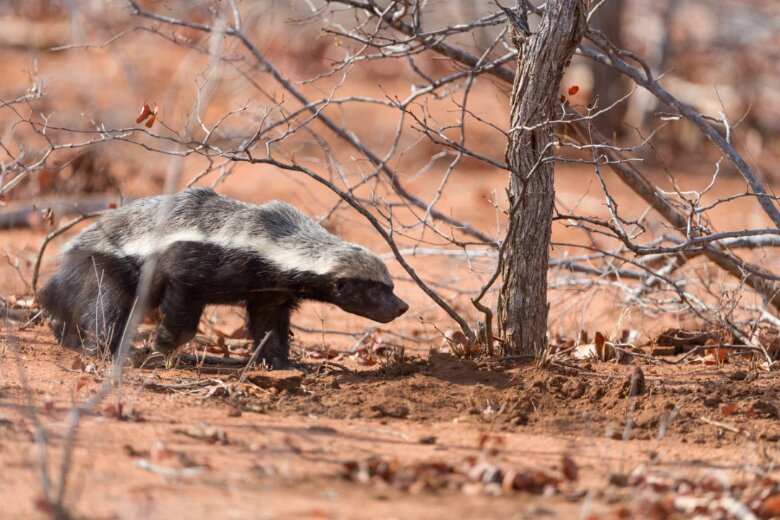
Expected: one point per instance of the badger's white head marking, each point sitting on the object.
(354, 261)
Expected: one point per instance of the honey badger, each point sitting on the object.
(209, 249)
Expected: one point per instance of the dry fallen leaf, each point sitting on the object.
(82, 381)
(727, 409)
(366, 361)
(770, 508)
(48, 216)
(584, 351)
(112, 411)
(458, 343)
(159, 452)
(78, 364)
(151, 119)
(714, 355)
(569, 468)
(599, 340)
(605, 350)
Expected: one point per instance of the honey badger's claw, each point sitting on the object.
(279, 363)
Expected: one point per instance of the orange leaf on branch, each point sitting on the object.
(152, 118)
(145, 112)
(148, 114)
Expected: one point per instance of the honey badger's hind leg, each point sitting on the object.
(55, 298)
(103, 317)
(181, 310)
(271, 315)
(89, 305)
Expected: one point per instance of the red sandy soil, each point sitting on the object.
(259, 452)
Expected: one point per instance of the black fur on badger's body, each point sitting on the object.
(209, 250)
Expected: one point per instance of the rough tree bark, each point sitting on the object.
(543, 56)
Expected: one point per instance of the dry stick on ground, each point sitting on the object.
(22, 217)
(742, 348)
(255, 355)
(724, 426)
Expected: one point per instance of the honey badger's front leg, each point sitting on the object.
(181, 310)
(271, 315)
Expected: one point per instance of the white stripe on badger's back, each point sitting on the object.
(275, 231)
(148, 244)
(288, 257)
(285, 256)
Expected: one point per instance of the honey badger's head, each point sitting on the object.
(362, 285)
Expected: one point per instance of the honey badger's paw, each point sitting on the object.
(279, 363)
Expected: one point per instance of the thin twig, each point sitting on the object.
(255, 355)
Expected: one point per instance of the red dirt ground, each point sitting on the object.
(267, 453)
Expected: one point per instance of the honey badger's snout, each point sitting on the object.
(386, 309)
(373, 300)
(401, 307)
(392, 308)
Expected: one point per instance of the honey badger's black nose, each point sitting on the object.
(399, 306)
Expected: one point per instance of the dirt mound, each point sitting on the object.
(600, 399)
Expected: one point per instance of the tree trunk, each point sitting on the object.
(543, 56)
